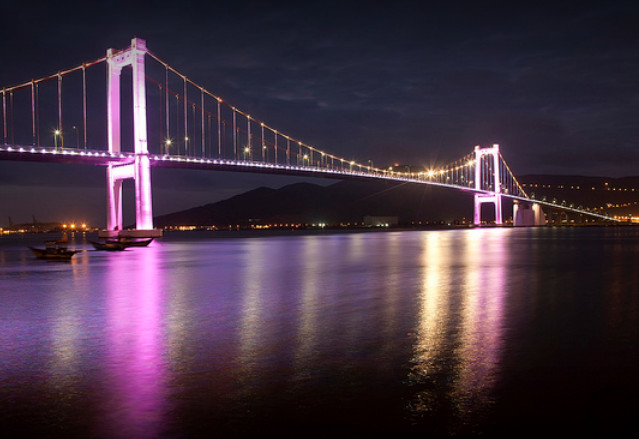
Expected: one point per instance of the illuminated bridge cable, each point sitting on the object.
(11, 116)
(4, 114)
(167, 139)
(169, 68)
(203, 131)
(33, 116)
(219, 130)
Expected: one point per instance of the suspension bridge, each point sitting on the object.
(187, 126)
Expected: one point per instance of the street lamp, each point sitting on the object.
(167, 143)
(77, 137)
(246, 152)
(56, 133)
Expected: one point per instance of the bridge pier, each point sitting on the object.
(527, 214)
(481, 199)
(494, 195)
(139, 170)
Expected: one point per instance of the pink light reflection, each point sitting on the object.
(136, 405)
(482, 341)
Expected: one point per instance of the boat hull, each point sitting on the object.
(55, 254)
(108, 246)
(131, 242)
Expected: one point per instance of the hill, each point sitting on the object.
(350, 201)
(342, 202)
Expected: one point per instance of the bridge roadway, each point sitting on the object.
(103, 158)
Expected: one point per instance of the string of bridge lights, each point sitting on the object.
(459, 174)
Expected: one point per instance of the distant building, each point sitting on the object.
(380, 221)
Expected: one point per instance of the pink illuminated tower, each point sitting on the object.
(495, 195)
(139, 170)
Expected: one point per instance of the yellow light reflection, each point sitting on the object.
(482, 314)
(433, 317)
(459, 336)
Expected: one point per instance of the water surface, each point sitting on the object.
(475, 331)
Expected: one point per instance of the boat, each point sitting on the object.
(109, 245)
(53, 253)
(131, 242)
(55, 250)
(60, 243)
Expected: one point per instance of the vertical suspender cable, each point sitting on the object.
(248, 121)
(11, 108)
(235, 134)
(177, 121)
(37, 90)
(209, 141)
(4, 114)
(288, 151)
(84, 105)
(275, 149)
(60, 110)
(33, 118)
(202, 110)
(193, 135)
(263, 145)
(166, 97)
(163, 144)
(186, 120)
(219, 131)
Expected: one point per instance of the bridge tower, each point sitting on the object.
(495, 195)
(139, 170)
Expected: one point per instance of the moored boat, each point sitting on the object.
(53, 253)
(108, 245)
(131, 242)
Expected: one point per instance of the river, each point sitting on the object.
(494, 331)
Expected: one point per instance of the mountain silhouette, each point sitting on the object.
(342, 202)
(351, 201)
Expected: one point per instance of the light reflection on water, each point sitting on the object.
(134, 377)
(425, 331)
(459, 330)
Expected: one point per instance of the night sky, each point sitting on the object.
(555, 84)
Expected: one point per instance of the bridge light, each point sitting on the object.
(56, 133)
(431, 173)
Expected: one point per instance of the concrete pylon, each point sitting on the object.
(527, 214)
(495, 195)
(139, 170)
